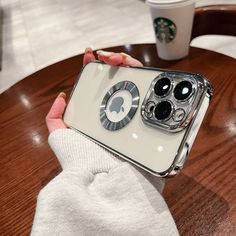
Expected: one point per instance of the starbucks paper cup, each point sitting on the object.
(172, 21)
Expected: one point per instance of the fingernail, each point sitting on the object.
(87, 50)
(99, 51)
(104, 53)
(62, 94)
(124, 54)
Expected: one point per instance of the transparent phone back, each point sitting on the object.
(147, 146)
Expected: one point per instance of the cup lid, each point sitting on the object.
(165, 2)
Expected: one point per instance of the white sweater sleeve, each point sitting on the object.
(99, 194)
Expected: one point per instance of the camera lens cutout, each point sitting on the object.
(162, 86)
(163, 110)
(183, 90)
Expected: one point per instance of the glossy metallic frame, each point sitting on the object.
(179, 159)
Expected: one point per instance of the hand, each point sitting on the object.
(54, 117)
(111, 58)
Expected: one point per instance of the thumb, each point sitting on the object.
(54, 117)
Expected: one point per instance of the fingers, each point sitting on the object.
(54, 117)
(58, 107)
(117, 59)
(130, 61)
(111, 58)
(88, 56)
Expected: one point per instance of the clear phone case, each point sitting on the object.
(147, 116)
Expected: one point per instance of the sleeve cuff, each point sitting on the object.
(75, 150)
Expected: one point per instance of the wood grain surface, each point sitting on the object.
(202, 198)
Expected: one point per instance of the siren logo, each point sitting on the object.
(116, 105)
(165, 29)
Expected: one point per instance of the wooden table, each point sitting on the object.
(202, 198)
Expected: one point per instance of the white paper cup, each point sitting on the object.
(172, 22)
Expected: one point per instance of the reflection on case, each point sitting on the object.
(147, 116)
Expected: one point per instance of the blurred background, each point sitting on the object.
(37, 33)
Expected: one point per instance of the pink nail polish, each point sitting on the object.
(88, 50)
(62, 94)
(105, 53)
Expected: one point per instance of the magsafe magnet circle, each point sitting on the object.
(119, 105)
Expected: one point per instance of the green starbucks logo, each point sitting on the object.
(165, 29)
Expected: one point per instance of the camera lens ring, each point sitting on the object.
(187, 98)
(169, 110)
(163, 81)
